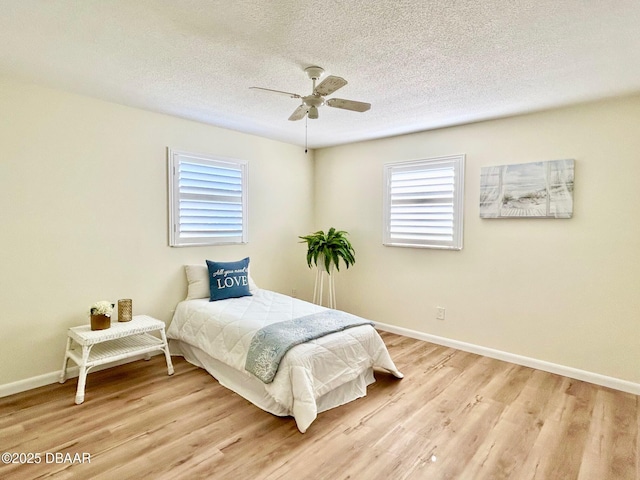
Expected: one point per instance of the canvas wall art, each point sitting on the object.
(534, 190)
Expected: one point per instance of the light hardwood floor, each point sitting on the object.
(455, 415)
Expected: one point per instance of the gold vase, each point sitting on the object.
(100, 322)
(124, 310)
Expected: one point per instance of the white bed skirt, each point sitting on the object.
(253, 390)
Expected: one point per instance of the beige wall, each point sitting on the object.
(561, 291)
(83, 196)
(84, 214)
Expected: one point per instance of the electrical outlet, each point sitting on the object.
(439, 313)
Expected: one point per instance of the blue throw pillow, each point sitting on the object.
(228, 279)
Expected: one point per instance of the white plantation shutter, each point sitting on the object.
(423, 203)
(208, 200)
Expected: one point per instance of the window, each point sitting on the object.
(207, 200)
(423, 203)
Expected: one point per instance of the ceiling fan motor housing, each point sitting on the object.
(314, 100)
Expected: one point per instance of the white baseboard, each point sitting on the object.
(595, 378)
(54, 377)
(603, 380)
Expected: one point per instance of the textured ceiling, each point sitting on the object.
(421, 64)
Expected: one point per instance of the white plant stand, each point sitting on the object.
(89, 348)
(318, 289)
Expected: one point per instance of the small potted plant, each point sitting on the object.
(101, 315)
(329, 248)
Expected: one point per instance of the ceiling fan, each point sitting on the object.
(310, 103)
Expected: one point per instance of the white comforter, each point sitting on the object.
(224, 329)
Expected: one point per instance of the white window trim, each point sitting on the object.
(174, 157)
(457, 163)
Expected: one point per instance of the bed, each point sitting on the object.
(312, 377)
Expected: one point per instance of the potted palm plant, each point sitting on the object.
(329, 248)
(325, 251)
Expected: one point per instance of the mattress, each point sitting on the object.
(312, 377)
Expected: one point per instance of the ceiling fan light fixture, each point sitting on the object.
(313, 112)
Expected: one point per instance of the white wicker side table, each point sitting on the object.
(89, 348)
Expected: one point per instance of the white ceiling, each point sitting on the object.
(422, 64)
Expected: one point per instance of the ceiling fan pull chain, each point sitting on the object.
(306, 126)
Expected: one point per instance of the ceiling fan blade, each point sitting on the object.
(299, 113)
(289, 94)
(348, 104)
(330, 85)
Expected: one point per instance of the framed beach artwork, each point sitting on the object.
(531, 190)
